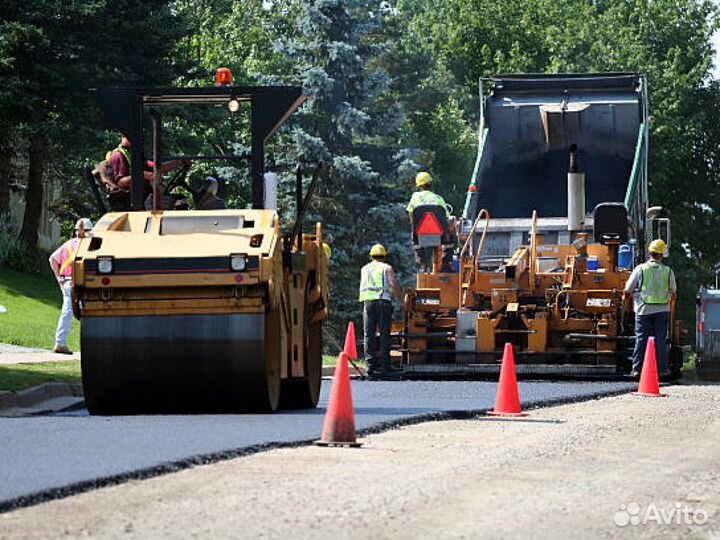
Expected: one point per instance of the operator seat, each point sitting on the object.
(610, 221)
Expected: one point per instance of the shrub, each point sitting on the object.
(13, 252)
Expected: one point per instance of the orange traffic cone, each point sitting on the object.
(649, 379)
(507, 402)
(350, 344)
(339, 428)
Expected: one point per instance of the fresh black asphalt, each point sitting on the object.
(47, 457)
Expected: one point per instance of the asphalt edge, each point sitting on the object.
(30, 397)
(77, 488)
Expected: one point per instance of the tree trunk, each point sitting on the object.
(5, 154)
(37, 156)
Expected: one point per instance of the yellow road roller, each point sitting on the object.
(200, 311)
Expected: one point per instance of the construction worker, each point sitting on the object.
(120, 160)
(426, 195)
(61, 264)
(652, 285)
(377, 283)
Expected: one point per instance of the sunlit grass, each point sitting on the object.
(16, 377)
(33, 307)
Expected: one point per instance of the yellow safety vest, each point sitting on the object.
(420, 198)
(655, 287)
(372, 281)
(124, 152)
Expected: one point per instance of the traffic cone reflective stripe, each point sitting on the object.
(350, 343)
(507, 402)
(649, 379)
(339, 428)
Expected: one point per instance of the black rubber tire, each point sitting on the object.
(304, 393)
(273, 359)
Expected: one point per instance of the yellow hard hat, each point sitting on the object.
(422, 179)
(327, 250)
(378, 250)
(658, 246)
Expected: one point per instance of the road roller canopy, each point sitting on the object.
(270, 106)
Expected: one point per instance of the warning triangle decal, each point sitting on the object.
(429, 224)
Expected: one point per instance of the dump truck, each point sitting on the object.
(556, 217)
(707, 333)
(193, 311)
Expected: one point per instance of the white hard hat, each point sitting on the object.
(87, 224)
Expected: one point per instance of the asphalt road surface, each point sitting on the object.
(48, 457)
(623, 467)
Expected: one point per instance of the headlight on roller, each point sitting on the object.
(105, 265)
(237, 263)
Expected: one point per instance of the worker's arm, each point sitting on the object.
(54, 261)
(632, 284)
(410, 208)
(673, 284)
(394, 284)
(448, 209)
(172, 165)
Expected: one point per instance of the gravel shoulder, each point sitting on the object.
(562, 473)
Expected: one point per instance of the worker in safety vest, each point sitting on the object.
(426, 195)
(120, 160)
(652, 285)
(61, 262)
(377, 283)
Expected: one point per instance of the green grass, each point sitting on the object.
(329, 360)
(16, 377)
(33, 307)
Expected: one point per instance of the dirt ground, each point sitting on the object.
(620, 467)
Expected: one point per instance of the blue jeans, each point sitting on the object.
(655, 325)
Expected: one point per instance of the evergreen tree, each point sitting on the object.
(352, 124)
(51, 53)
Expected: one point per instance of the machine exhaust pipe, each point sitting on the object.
(576, 193)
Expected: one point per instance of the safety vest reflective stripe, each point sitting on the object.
(126, 155)
(655, 287)
(372, 281)
(420, 198)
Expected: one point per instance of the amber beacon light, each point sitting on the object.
(223, 77)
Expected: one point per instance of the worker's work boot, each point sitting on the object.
(372, 372)
(390, 373)
(62, 349)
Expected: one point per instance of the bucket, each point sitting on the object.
(625, 257)
(592, 263)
